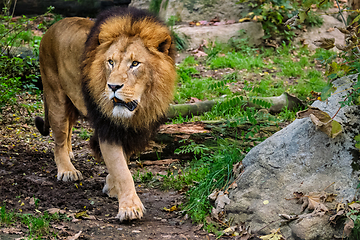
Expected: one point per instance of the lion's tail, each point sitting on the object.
(41, 125)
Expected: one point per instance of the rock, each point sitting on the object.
(299, 158)
(195, 35)
(65, 7)
(327, 30)
(190, 10)
(141, 4)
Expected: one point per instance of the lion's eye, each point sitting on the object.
(111, 62)
(135, 63)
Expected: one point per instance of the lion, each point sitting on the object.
(119, 73)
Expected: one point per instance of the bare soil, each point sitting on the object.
(28, 171)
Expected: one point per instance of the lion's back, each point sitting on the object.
(61, 52)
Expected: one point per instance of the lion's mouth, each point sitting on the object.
(130, 105)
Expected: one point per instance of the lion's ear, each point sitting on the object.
(102, 38)
(165, 45)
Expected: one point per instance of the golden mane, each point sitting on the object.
(160, 85)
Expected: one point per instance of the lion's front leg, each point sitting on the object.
(120, 183)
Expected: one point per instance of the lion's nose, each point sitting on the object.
(114, 87)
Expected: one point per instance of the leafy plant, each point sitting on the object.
(39, 226)
(217, 168)
(17, 74)
(17, 33)
(274, 13)
(154, 6)
(84, 134)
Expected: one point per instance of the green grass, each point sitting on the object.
(237, 60)
(38, 225)
(212, 170)
(261, 72)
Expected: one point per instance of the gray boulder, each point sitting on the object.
(190, 10)
(195, 35)
(299, 158)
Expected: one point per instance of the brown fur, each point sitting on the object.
(75, 66)
(159, 78)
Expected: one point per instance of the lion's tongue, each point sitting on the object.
(130, 105)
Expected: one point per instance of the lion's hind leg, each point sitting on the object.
(61, 117)
(120, 184)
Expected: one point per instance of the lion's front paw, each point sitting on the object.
(69, 175)
(109, 187)
(130, 208)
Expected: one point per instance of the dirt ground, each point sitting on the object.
(28, 171)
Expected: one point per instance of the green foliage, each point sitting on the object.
(17, 74)
(186, 69)
(38, 226)
(84, 134)
(181, 43)
(6, 217)
(274, 13)
(183, 178)
(355, 217)
(237, 60)
(154, 6)
(287, 115)
(180, 119)
(18, 33)
(193, 147)
(146, 177)
(216, 168)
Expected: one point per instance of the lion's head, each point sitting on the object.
(128, 68)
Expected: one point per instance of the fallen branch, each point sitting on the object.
(195, 109)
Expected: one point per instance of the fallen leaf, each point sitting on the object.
(289, 217)
(76, 236)
(200, 54)
(348, 227)
(55, 210)
(219, 23)
(354, 206)
(322, 121)
(81, 214)
(173, 208)
(213, 195)
(314, 200)
(275, 235)
(332, 128)
(90, 217)
(298, 195)
(11, 230)
(325, 43)
(331, 197)
(230, 230)
(221, 200)
(233, 185)
(198, 227)
(238, 168)
(194, 100)
(244, 19)
(343, 30)
(339, 213)
(215, 213)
